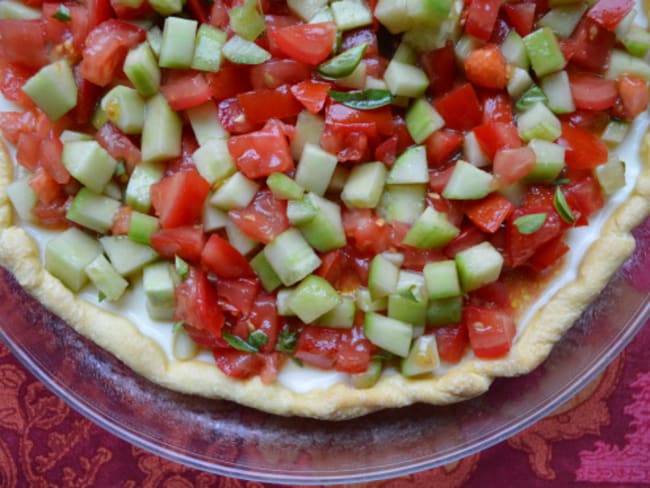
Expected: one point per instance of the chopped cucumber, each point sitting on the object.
(142, 227)
(213, 160)
(405, 80)
(382, 277)
(530, 98)
(315, 169)
(283, 187)
(141, 68)
(107, 280)
(73, 135)
(324, 232)
(392, 335)
(621, 63)
(300, 212)
(409, 302)
(240, 241)
(365, 302)
(138, 190)
(468, 182)
(549, 161)
(344, 64)
(478, 265)
(23, 198)
(207, 48)
(213, 218)
(341, 316)
(309, 128)
(88, 163)
(365, 185)
(615, 132)
(205, 123)
(93, 211)
(312, 298)
(306, 9)
(431, 229)
(444, 311)
(159, 286)
(410, 167)
(53, 89)
(236, 192)
(558, 91)
(154, 38)
(442, 279)
(350, 14)
(394, 15)
(402, 203)
(177, 49)
(167, 7)
(514, 51)
(127, 256)
(183, 347)
(282, 302)
(368, 378)
(637, 41)
(519, 82)
(247, 19)
(124, 107)
(544, 51)
(538, 122)
(423, 357)
(162, 130)
(68, 254)
(422, 120)
(240, 51)
(564, 19)
(473, 152)
(291, 257)
(611, 175)
(269, 279)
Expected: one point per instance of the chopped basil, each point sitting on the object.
(258, 339)
(382, 356)
(176, 327)
(297, 361)
(62, 14)
(182, 268)
(561, 181)
(238, 343)
(287, 341)
(344, 64)
(529, 224)
(409, 293)
(562, 207)
(120, 169)
(363, 100)
(101, 297)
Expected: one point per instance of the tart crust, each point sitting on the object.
(20, 255)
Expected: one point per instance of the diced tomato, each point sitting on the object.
(277, 72)
(118, 145)
(105, 49)
(239, 293)
(438, 179)
(121, 221)
(492, 295)
(469, 236)
(348, 145)
(489, 213)
(264, 104)
(23, 43)
(339, 114)
(460, 108)
(198, 10)
(52, 216)
(50, 153)
(522, 16)
(497, 107)
(224, 260)
(591, 92)
(185, 90)
(219, 15)
(229, 81)
(354, 351)
(586, 119)
(238, 364)
(386, 152)
(326, 348)
(512, 165)
(260, 153)
(178, 199)
(584, 198)
(87, 98)
(520, 247)
(12, 79)
(568, 48)
(609, 13)
(307, 43)
(593, 46)
(495, 136)
(13, 124)
(273, 23)
(548, 255)
(487, 67)
(440, 66)
(98, 12)
(634, 96)
(264, 219)
(125, 12)
(368, 232)
(452, 342)
(232, 117)
(186, 242)
(28, 151)
(264, 317)
(196, 303)
(481, 17)
(312, 94)
(46, 188)
(490, 331)
(583, 149)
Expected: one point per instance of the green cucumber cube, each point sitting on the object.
(350, 14)
(213, 218)
(422, 358)
(478, 265)
(473, 152)
(301, 212)
(366, 303)
(23, 198)
(247, 19)
(405, 80)
(127, 256)
(240, 241)
(530, 98)
(368, 378)
(538, 122)
(325, 231)
(611, 175)
(519, 82)
(124, 107)
(138, 190)
(429, 12)
(309, 128)
(312, 298)
(283, 187)
(306, 9)
(382, 277)
(68, 254)
(468, 182)
(621, 62)
(73, 135)
(159, 286)
(558, 91)
(544, 51)
(53, 89)
(431, 229)
(89, 163)
(142, 227)
(394, 15)
(107, 280)
(549, 161)
(177, 49)
(93, 211)
(282, 302)
(422, 120)
(183, 347)
(154, 38)
(141, 68)
(205, 123)
(637, 41)
(442, 279)
(240, 51)
(409, 302)
(162, 130)
(615, 132)
(269, 279)
(409, 168)
(563, 20)
(236, 192)
(291, 257)
(364, 185)
(402, 203)
(444, 311)
(167, 7)
(514, 51)
(391, 335)
(213, 160)
(315, 169)
(341, 316)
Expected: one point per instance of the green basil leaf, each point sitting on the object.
(561, 181)
(101, 297)
(363, 100)
(344, 64)
(177, 326)
(287, 341)
(62, 14)
(562, 207)
(182, 268)
(120, 169)
(531, 223)
(238, 343)
(383, 356)
(258, 339)
(297, 361)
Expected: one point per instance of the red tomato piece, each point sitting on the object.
(13, 124)
(490, 331)
(196, 303)
(368, 232)
(238, 364)
(118, 145)
(178, 199)
(489, 213)
(312, 94)
(133, 13)
(520, 247)
(198, 10)
(609, 13)
(52, 216)
(277, 72)
(219, 15)
(440, 66)
(511, 165)
(452, 342)
(591, 92)
(583, 149)
(264, 104)
(438, 179)
(264, 219)
(260, 153)
(634, 96)
(186, 242)
(496, 136)
(46, 188)
(87, 98)
(460, 108)
(264, 317)
(481, 18)
(307, 43)
(497, 107)
(106, 47)
(98, 12)
(548, 255)
(239, 293)
(487, 67)
(121, 221)
(186, 90)
(28, 151)
(224, 260)
(584, 197)
(12, 79)
(339, 114)
(23, 43)
(492, 295)
(522, 16)
(386, 152)
(586, 119)
(273, 23)
(50, 153)
(469, 236)
(593, 46)
(326, 348)
(354, 351)
(229, 81)
(232, 117)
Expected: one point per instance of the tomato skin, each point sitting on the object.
(634, 96)
(186, 90)
(452, 342)
(178, 199)
(490, 331)
(591, 92)
(232, 117)
(50, 154)
(339, 114)
(118, 145)
(593, 46)
(23, 43)
(12, 79)
(460, 108)
(367, 232)
(239, 294)
(277, 72)
(264, 219)
(586, 119)
(87, 98)
(511, 165)
(121, 221)
(609, 13)
(520, 247)
(223, 260)
(186, 242)
(497, 107)
(244, 365)
(308, 43)
(492, 295)
(496, 136)
(46, 188)
(481, 18)
(487, 67)
(196, 303)
(13, 124)
(584, 197)
(548, 255)
(489, 213)
(106, 47)
(469, 236)
(344, 350)
(264, 317)
(522, 16)
(229, 81)
(583, 149)
(260, 153)
(312, 94)
(264, 104)
(440, 66)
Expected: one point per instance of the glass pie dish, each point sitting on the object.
(231, 440)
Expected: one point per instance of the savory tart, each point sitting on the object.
(322, 208)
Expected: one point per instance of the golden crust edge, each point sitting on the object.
(19, 254)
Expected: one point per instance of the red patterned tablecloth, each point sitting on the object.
(602, 436)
